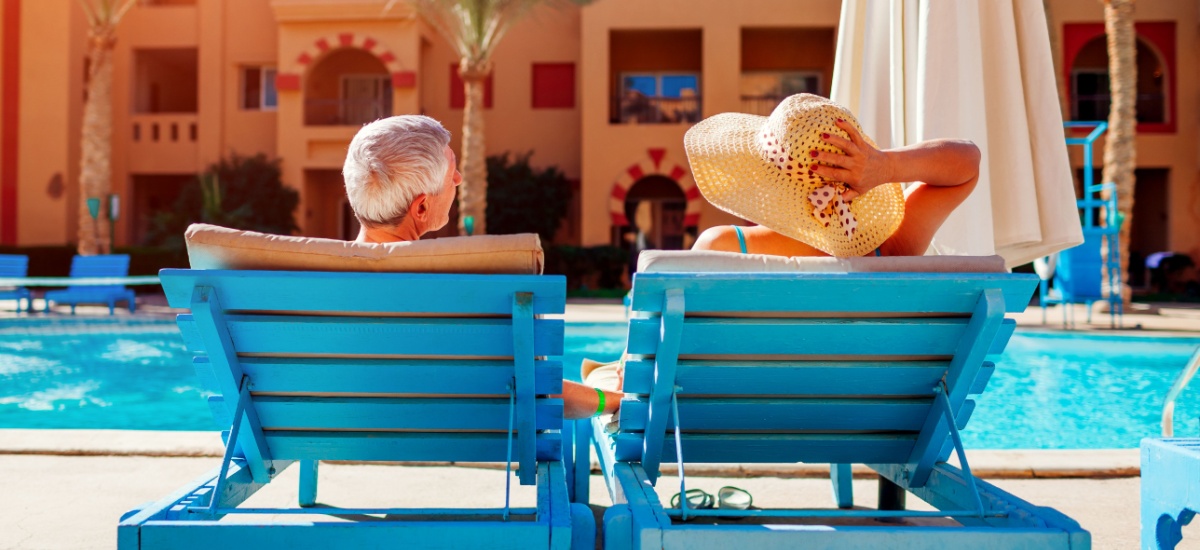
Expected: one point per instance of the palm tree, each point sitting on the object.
(474, 28)
(1120, 153)
(95, 173)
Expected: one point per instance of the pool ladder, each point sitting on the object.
(1168, 414)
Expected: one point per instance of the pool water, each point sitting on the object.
(1050, 391)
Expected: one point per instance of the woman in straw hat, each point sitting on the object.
(816, 185)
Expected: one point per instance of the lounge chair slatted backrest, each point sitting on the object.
(330, 350)
(356, 372)
(809, 368)
(775, 360)
(101, 266)
(15, 265)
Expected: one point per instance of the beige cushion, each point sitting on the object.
(677, 261)
(213, 247)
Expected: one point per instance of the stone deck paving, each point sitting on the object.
(74, 502)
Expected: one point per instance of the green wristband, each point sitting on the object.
(600, 405)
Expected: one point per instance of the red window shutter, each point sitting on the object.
(458, 96)
(553, 85)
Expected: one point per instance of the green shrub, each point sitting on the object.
(242, 192)
(55, 261)
(593, 267)
(45, 261)
(521, 199)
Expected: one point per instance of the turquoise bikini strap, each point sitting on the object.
(741, 238)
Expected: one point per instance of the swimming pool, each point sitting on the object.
(1050, 391)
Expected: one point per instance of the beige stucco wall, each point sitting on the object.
(251, 40)
(609, 149)
(548, 35)
(43, 123)
(1177, 151)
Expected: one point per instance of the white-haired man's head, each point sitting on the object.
(399, 166)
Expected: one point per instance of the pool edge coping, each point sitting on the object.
(985, 463)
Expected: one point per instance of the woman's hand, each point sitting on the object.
(861, 167)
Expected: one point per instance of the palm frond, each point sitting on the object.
(89, 12)
(105, 13)
(121, 11)
(475, 27)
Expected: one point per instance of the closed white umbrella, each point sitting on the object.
(914, 70)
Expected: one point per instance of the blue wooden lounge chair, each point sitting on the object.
(313, 366)
(13, 265)
(108, 265)
(838, 368)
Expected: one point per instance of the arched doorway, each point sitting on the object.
(656, 208)
(347, 87)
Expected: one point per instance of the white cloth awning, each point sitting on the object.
(913, 70)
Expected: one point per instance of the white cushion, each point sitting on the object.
(689, 261)
(214, 247)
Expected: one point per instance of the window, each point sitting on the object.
(763, 90)
(553, 86)
(458, 95)
(365, 98)
(258, 89)
(1090, 96)
(659, 97)
(1085, 53)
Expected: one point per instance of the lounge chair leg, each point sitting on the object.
(582, 463)
(843, 488)
(583, 527)
(308, 483)
(618, 527)
(891, 496)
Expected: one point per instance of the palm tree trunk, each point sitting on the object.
(472, 194)
(1120, 153)
(95, 174)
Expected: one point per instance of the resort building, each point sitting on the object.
(605, 93)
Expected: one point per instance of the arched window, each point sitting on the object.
(347, 87)
(1089, 97)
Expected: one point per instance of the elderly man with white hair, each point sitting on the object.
(400, 177)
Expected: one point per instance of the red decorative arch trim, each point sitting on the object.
(655, 163)
(291, 78)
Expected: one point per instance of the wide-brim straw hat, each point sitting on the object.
(756, 168)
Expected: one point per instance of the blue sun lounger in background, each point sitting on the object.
(313, 366)
(13, 265)
(838, 368)
(107, 265)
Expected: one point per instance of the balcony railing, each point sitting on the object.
(164, 143)
(345, 112)
(642, 109)
(165, 128)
